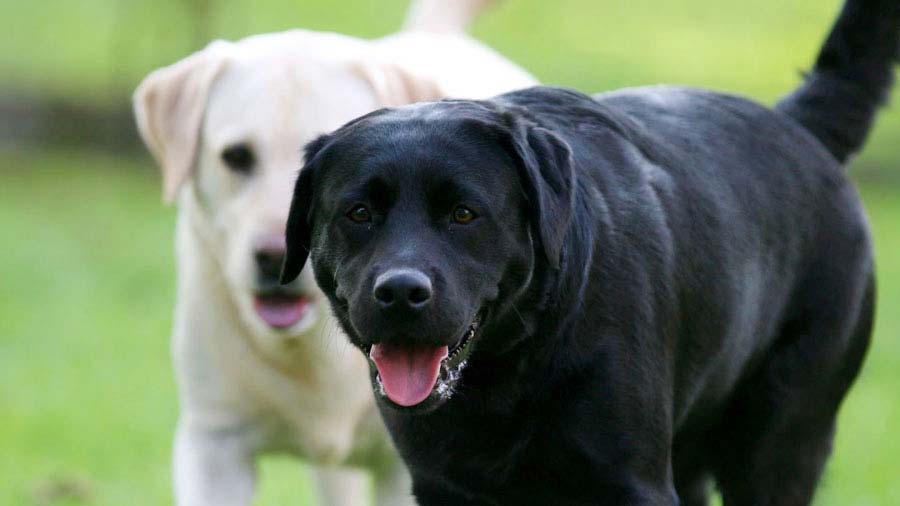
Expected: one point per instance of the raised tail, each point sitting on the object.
(852, 77)
(444, 16)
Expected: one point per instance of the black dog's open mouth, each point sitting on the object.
(410, 375)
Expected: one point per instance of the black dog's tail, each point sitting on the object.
(852, 77)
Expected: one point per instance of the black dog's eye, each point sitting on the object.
(463, 215)
(238, 158)
(360, 214)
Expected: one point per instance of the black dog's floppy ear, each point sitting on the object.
(548, 178)
(298, 232)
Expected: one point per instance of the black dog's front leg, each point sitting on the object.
(430, 493)
(433, 495)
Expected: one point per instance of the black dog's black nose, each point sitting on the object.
(404, 290)
(268, 263)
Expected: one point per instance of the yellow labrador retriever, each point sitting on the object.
(261, 367)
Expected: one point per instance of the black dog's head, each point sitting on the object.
(425, 224)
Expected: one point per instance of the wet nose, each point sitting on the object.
(268, 264)
(405, 291)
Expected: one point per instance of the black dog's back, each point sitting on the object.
(731, 199)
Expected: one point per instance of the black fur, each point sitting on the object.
(673, 285)
(852, 77)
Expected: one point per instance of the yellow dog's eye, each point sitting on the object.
(239, 158)
(463, 215)
(360, 214)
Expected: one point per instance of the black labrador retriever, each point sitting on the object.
(570, 300)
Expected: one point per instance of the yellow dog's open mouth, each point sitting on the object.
(281, 310)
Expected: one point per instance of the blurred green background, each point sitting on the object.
(87, 400)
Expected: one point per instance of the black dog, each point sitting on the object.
(577, 301)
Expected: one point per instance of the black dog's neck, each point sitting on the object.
(540, 324)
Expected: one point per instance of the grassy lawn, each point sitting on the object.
(87, 401)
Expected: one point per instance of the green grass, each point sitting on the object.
(87, 401)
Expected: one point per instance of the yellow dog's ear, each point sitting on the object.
(395, 85)
(169, 106)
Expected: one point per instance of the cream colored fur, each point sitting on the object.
(245, 388)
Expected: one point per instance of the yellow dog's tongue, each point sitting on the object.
(408, 374)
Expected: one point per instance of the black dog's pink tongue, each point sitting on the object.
(408, 374)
